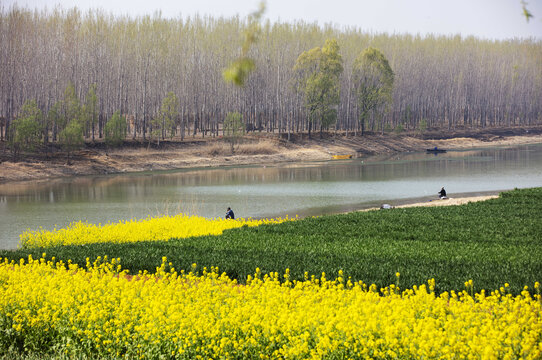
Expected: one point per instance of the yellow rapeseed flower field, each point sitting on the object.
(151, 229)
(101, 311)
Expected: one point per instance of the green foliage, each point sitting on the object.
(115, 130)
(90, 110)
(373, 81)
(169, 110)
(71, 107)
(26, 128)
(71, 136)
(54, 115)
(240, 69)
(490, 242)
(399, 129)
(526, 11)
(318, 78)
(234, 128)
(71, 121)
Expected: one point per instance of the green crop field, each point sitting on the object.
(492, 243)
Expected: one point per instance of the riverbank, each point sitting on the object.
(257, 148)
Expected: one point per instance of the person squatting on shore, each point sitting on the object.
(229, 214)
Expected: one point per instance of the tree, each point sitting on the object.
(318, 73)
(115, 130)
(26, 131)
(234, 128)
(169, 111)
(90, 110)
(53, 119)
(447, 80)
(373, 82)
(71, 107)
(71, 123)
(71, 137)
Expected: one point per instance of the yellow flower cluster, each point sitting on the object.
(151, 229)
(104, 312)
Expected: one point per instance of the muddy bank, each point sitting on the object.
(255, 149)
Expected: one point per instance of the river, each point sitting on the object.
(303, 189)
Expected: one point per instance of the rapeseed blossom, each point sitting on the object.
(101, 311)
(161, 228)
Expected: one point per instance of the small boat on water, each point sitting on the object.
(341, 157)
(435, 150)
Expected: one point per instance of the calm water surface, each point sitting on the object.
(285, 189)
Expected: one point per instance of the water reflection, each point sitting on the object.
(270, 191)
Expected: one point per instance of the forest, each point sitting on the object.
(162, 76)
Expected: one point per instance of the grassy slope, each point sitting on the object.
(490, 242)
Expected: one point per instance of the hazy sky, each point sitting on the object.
(490, 19)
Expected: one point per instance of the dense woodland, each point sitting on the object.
(133, 64)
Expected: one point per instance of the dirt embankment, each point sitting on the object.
(257, 148)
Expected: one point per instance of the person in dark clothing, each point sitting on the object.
(229, 214)
(442, 194)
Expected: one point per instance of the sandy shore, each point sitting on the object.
(445, 202)
(450, 201)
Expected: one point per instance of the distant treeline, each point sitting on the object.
(136, 63)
